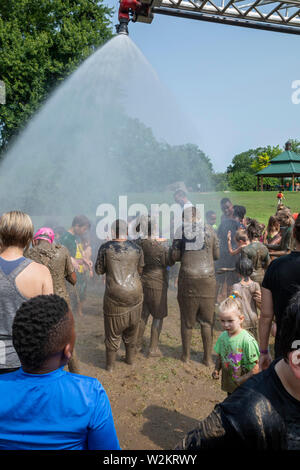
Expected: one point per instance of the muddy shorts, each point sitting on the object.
(155, 302)
(122, 327)
(196, 298)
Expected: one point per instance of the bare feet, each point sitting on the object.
(208, 363)
(185, 358)
(154, 353)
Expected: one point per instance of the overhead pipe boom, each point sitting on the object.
(269, 15)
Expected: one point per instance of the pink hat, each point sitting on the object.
(44, 233)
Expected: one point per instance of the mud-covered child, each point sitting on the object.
(122, 261)
(237, 350)
(241, 239)
(250, 295)
(155, 285)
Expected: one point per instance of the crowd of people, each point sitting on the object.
(241, 273)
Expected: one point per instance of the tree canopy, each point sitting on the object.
(151, 165)
(41, 42)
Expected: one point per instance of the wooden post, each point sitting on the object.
(257, 184)
(293, 182)
(261, 183)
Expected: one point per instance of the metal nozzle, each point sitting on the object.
(122, 27)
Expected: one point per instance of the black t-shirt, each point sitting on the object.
(268, 384)
(226, 260)
(246, 420)
(282, 278)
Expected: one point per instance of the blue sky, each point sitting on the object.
(233, 84)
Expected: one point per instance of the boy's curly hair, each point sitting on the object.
(41, 328)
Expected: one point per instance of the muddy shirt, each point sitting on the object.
(247, 420)
(268, 384)
(58, 261)
(247, 292)
(197, 263)
(156, 259)
(120, 262)
(259, 255)
(286, 241)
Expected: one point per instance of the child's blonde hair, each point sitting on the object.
(233, 302)
(241, 236)
(16, 229)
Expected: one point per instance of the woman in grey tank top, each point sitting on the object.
(16, 232)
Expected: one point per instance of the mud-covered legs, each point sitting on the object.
(186, 338)
(117, 328)
(199, 309)
(154, 340)
(156, 328)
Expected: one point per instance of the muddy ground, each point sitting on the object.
(157, 400)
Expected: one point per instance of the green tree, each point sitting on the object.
(220, 181)
(242, 181)
(243, 161)
(42, 42)
(295, 145)
(263, 159)
(261, 162)
(150, 165)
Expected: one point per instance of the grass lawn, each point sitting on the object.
(259, 205)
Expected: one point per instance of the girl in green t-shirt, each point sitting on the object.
(237, 350)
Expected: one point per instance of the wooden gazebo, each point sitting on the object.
(285, 165)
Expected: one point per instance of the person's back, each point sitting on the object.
(259, 255)
(226, 260)
(282, 279)
(58, 261)
(156, 259)
(247, 292)
(120, 261)
(52, 411)
(42, 406)
(198, 263)
(20, 278)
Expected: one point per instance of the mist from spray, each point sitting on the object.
(68, 158)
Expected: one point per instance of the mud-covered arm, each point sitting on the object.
(169, 259)
(277, 247)
(216, 247)
(245, 377)
(175, 250)
(284, 244)
(141, 263)
(70, 273)
(208, 434)
(100, 265)
(166, 257)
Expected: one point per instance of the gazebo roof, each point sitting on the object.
(281, 169)
(286, 163)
